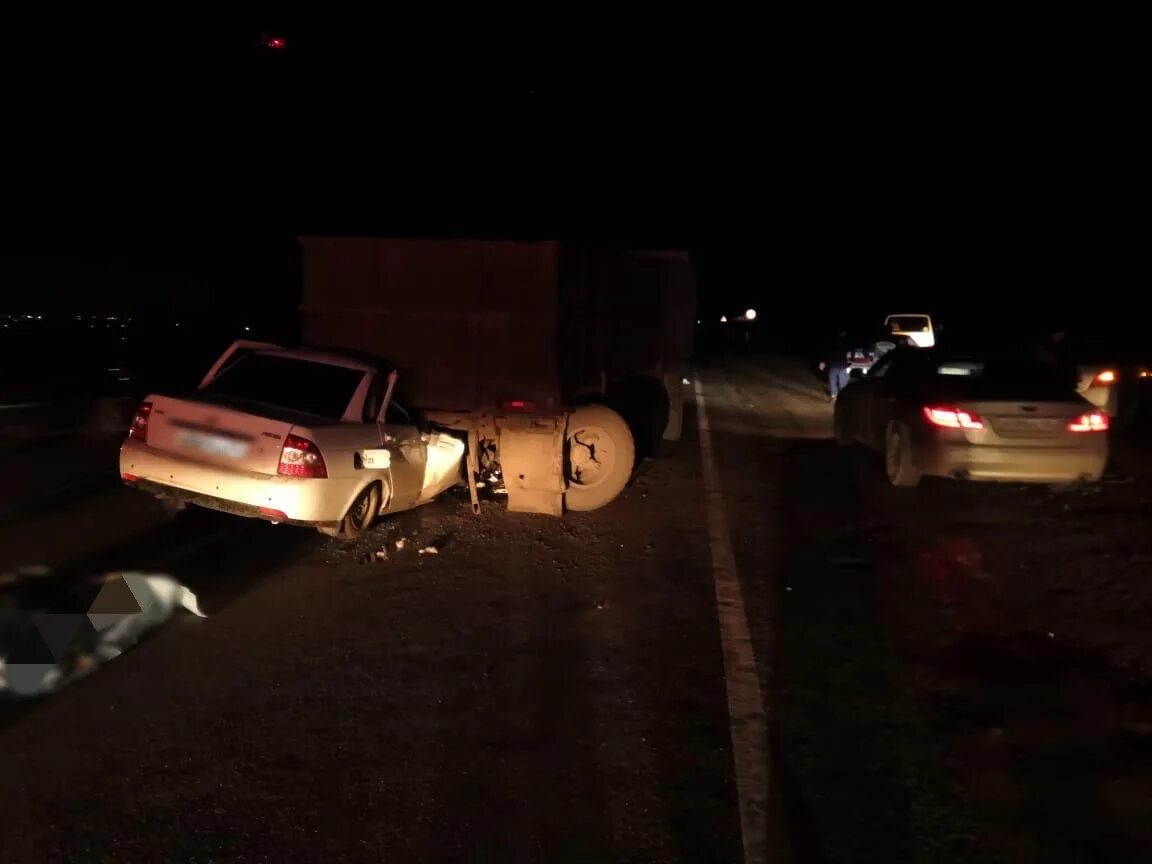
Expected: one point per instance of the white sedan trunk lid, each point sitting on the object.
(207, 432)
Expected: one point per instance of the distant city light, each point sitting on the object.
(750, 314)
(723, 319)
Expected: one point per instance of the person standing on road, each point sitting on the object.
(835, 363)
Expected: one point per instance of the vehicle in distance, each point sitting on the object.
(296, 436)
(861, 360)
(1114, 380)
(917, 328)
(975, 417)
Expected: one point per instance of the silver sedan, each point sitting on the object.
(972, 417)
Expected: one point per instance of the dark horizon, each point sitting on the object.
(993, 156)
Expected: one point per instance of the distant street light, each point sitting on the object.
(750, 314)
(723, 319)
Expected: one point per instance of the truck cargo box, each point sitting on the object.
(477, 324)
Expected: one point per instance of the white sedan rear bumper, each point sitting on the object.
(297, 499)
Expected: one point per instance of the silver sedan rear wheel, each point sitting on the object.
(898, 457)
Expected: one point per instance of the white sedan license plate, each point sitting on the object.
(217, 445)
(1030, 426)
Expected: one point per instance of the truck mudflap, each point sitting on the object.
(532, 460)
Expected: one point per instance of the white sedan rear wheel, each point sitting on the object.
(362, 514)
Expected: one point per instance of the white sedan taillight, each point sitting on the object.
(138, 431)
(301, 458)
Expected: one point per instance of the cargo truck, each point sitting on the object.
(554, 361)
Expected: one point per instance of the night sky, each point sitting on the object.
(949, 164)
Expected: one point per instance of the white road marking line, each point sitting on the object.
(746, 715)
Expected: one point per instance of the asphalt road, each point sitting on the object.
(949, 673)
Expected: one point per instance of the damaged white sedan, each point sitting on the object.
(295, 436)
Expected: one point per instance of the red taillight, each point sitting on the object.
(952, 418)
(139, 429)
(518, 405)
(1093, 421)
(301, 458)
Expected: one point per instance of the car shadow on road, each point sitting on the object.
(1028, 721)
(1044, 730)
(218, 556)
(853, 762)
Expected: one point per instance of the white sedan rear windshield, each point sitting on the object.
(306, 386)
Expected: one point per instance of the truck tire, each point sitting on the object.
(643, 403)
(599, 454)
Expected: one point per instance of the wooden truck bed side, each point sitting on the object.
(470, 324)
(474, 324)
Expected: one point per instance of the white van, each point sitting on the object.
(918, 328)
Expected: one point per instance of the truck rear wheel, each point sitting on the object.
(599, 453)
